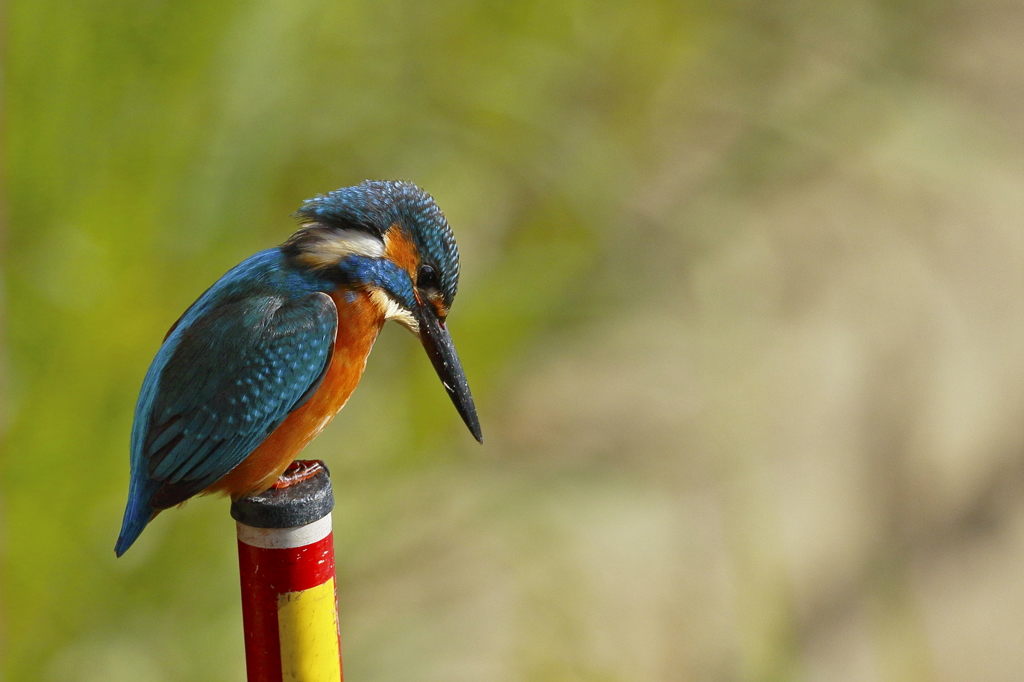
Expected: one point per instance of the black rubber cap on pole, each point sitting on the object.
(298, 504)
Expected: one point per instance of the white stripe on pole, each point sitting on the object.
(284, 538)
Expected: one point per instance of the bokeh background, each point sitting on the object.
(741, 306)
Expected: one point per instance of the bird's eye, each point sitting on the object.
(427, 278)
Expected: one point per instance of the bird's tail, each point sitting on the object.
(137, 514)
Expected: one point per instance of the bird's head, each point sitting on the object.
(391, 240)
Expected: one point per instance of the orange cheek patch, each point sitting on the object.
(400, 250)
(440, 307)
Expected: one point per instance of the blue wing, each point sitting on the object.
(222, 382)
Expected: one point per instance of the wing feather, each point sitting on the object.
(235, 374)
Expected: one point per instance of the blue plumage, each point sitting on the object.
(381, 273)
(251, 350)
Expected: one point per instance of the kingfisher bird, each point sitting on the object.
(268, 355)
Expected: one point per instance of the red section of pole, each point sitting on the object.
(266, 575)
(289, 601)
(259, 619)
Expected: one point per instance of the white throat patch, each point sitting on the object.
(393, 311)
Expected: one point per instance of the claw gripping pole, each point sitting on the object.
(286, 561)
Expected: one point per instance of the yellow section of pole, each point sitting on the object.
(307, 624)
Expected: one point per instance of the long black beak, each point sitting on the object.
(438, 344)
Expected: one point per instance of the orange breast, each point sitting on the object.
(359, 322)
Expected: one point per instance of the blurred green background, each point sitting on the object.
(741, 306)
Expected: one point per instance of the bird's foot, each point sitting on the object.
(298, 471)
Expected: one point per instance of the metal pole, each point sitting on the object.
(286, 561)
